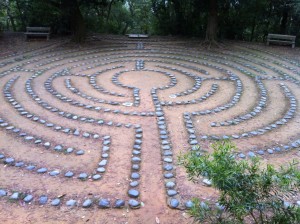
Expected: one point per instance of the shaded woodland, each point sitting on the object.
(249, 20)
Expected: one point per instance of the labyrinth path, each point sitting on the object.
(102, 126)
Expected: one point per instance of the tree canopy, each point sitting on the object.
(249, 20)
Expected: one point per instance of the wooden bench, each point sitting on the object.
(283, 39)
(137, 35)
(37, 31)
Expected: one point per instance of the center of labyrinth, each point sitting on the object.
(103, 127)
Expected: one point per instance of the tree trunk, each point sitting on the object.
(22, 17)
(253, 28)
(283, 22)
(71, 10)
(10, 16)
(212, 22)
(109, 10)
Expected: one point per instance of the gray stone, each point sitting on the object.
(134, 203)
(101, 169)
(69, 150)
(15, 196)
(82, 176)
(42, 170)
(104, 203)
(96, 177)
(251, 154)
(133, 193)
(134, 183)
(43, 200)
(55, 202)
(28, 198)
(71, 203)
(207, 182)
(9, 161)
(189, 204)
(80, 152)
(174, 203)
(168, 160)
(87, 203)
(119, 203)
(54, 173)
(69, 174)
(171, 193)
(135, 175)
(103, 162)
(2, 193)
(58, 148)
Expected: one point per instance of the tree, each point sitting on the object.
(248, 193)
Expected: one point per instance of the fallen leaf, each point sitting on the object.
(157, 220)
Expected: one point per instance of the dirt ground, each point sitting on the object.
(117, 54)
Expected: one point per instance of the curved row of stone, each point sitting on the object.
(75, 90)
(36, 118)
(54, 172)
(260, 131)
(258, 108)
(211, 92)
(232, 102)
(93, 83)
(62, 98)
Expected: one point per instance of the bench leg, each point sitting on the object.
(293, 45)
(268, 43)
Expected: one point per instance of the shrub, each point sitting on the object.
(248, 193)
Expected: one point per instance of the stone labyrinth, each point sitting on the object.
(86, 127)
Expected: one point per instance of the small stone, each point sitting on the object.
(9, 161)
(104, 203)
(54, 173)
(87, 203)
(101, 169)
(251, 154)
(71, 203)
(134, 183)
(119, 203)
(80, 152)
(58, 148)
(189, 204)
(242, 156)
(69, 150)
(133, 193)
(170, 185)
(42, 170)
(2, 193)
(134, 203)
(171, 193)
(103, 162)
(28, 198)
(82, 176)
(15, 196)
(174, 203)
(69, 174)
(135, 175)
(207, 182)
(43, 200)
(96, 177)
(55, 202)
(168, 160)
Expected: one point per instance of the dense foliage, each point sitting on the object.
(248, 193)
(231, 19)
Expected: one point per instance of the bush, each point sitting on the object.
(248, 193)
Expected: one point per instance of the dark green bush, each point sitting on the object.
(248, 193)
